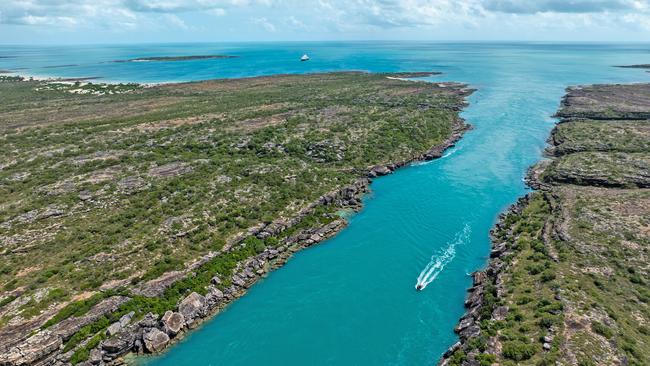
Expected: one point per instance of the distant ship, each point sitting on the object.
(304, 57)
(419, 287)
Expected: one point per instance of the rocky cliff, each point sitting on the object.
(566, 283)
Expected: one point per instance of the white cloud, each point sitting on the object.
(559, 6)
(356, 16)
(217, 12)
(93, 12)
(176, 21)
(46, 20)
(264, 23)
(401, 13)
(71, 13)
(179, 6)
(294, 23)
(639, 21)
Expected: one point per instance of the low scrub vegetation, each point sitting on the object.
(103, 187)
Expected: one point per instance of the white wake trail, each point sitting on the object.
(446, 155)
(441, 259)
(451, 152)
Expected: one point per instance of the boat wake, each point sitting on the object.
(446, 155)
(441, 259)
(450, 152)
(422, 163)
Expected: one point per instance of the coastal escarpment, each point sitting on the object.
(605, 102)
(565, 283)
(179, 197)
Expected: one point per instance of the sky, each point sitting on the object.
(133, 21)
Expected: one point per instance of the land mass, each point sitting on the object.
(418, 74)
(178, 58)
(567, 282)
(641, 66)
(129, 214)
(60, 66)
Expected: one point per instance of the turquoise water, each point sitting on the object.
(351, 300)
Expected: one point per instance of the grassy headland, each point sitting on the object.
(119, 203)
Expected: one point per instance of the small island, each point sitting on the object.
(177, 58)
(641, 66)
(60, 66)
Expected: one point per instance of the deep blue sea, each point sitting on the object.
(351, 300)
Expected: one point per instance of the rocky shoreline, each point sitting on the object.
(486, 282)
(155, 332)
(597, 150)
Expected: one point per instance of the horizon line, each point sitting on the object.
(468, 41)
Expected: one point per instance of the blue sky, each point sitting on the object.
(130, 21)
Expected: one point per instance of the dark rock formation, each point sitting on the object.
(192, 307)
(117, 326)
(157, 286)
(172, 322)
(379, 170)
(95, 356)
(119, 344)
(155, 340)
(37, 348)
(131, 185)
(170, 170)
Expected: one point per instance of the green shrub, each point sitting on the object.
(547, 276)
(602, 329)
(457, 358)
(78, 308)
(518, 351)
(85, 332)
(633, 351)
(586, 362)
(635, 278)
(7, 300)
(536, 268)
(524, 300)
(546, 321)
(80, 355)
(83, 353)
(479, 343)
(486, 359)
